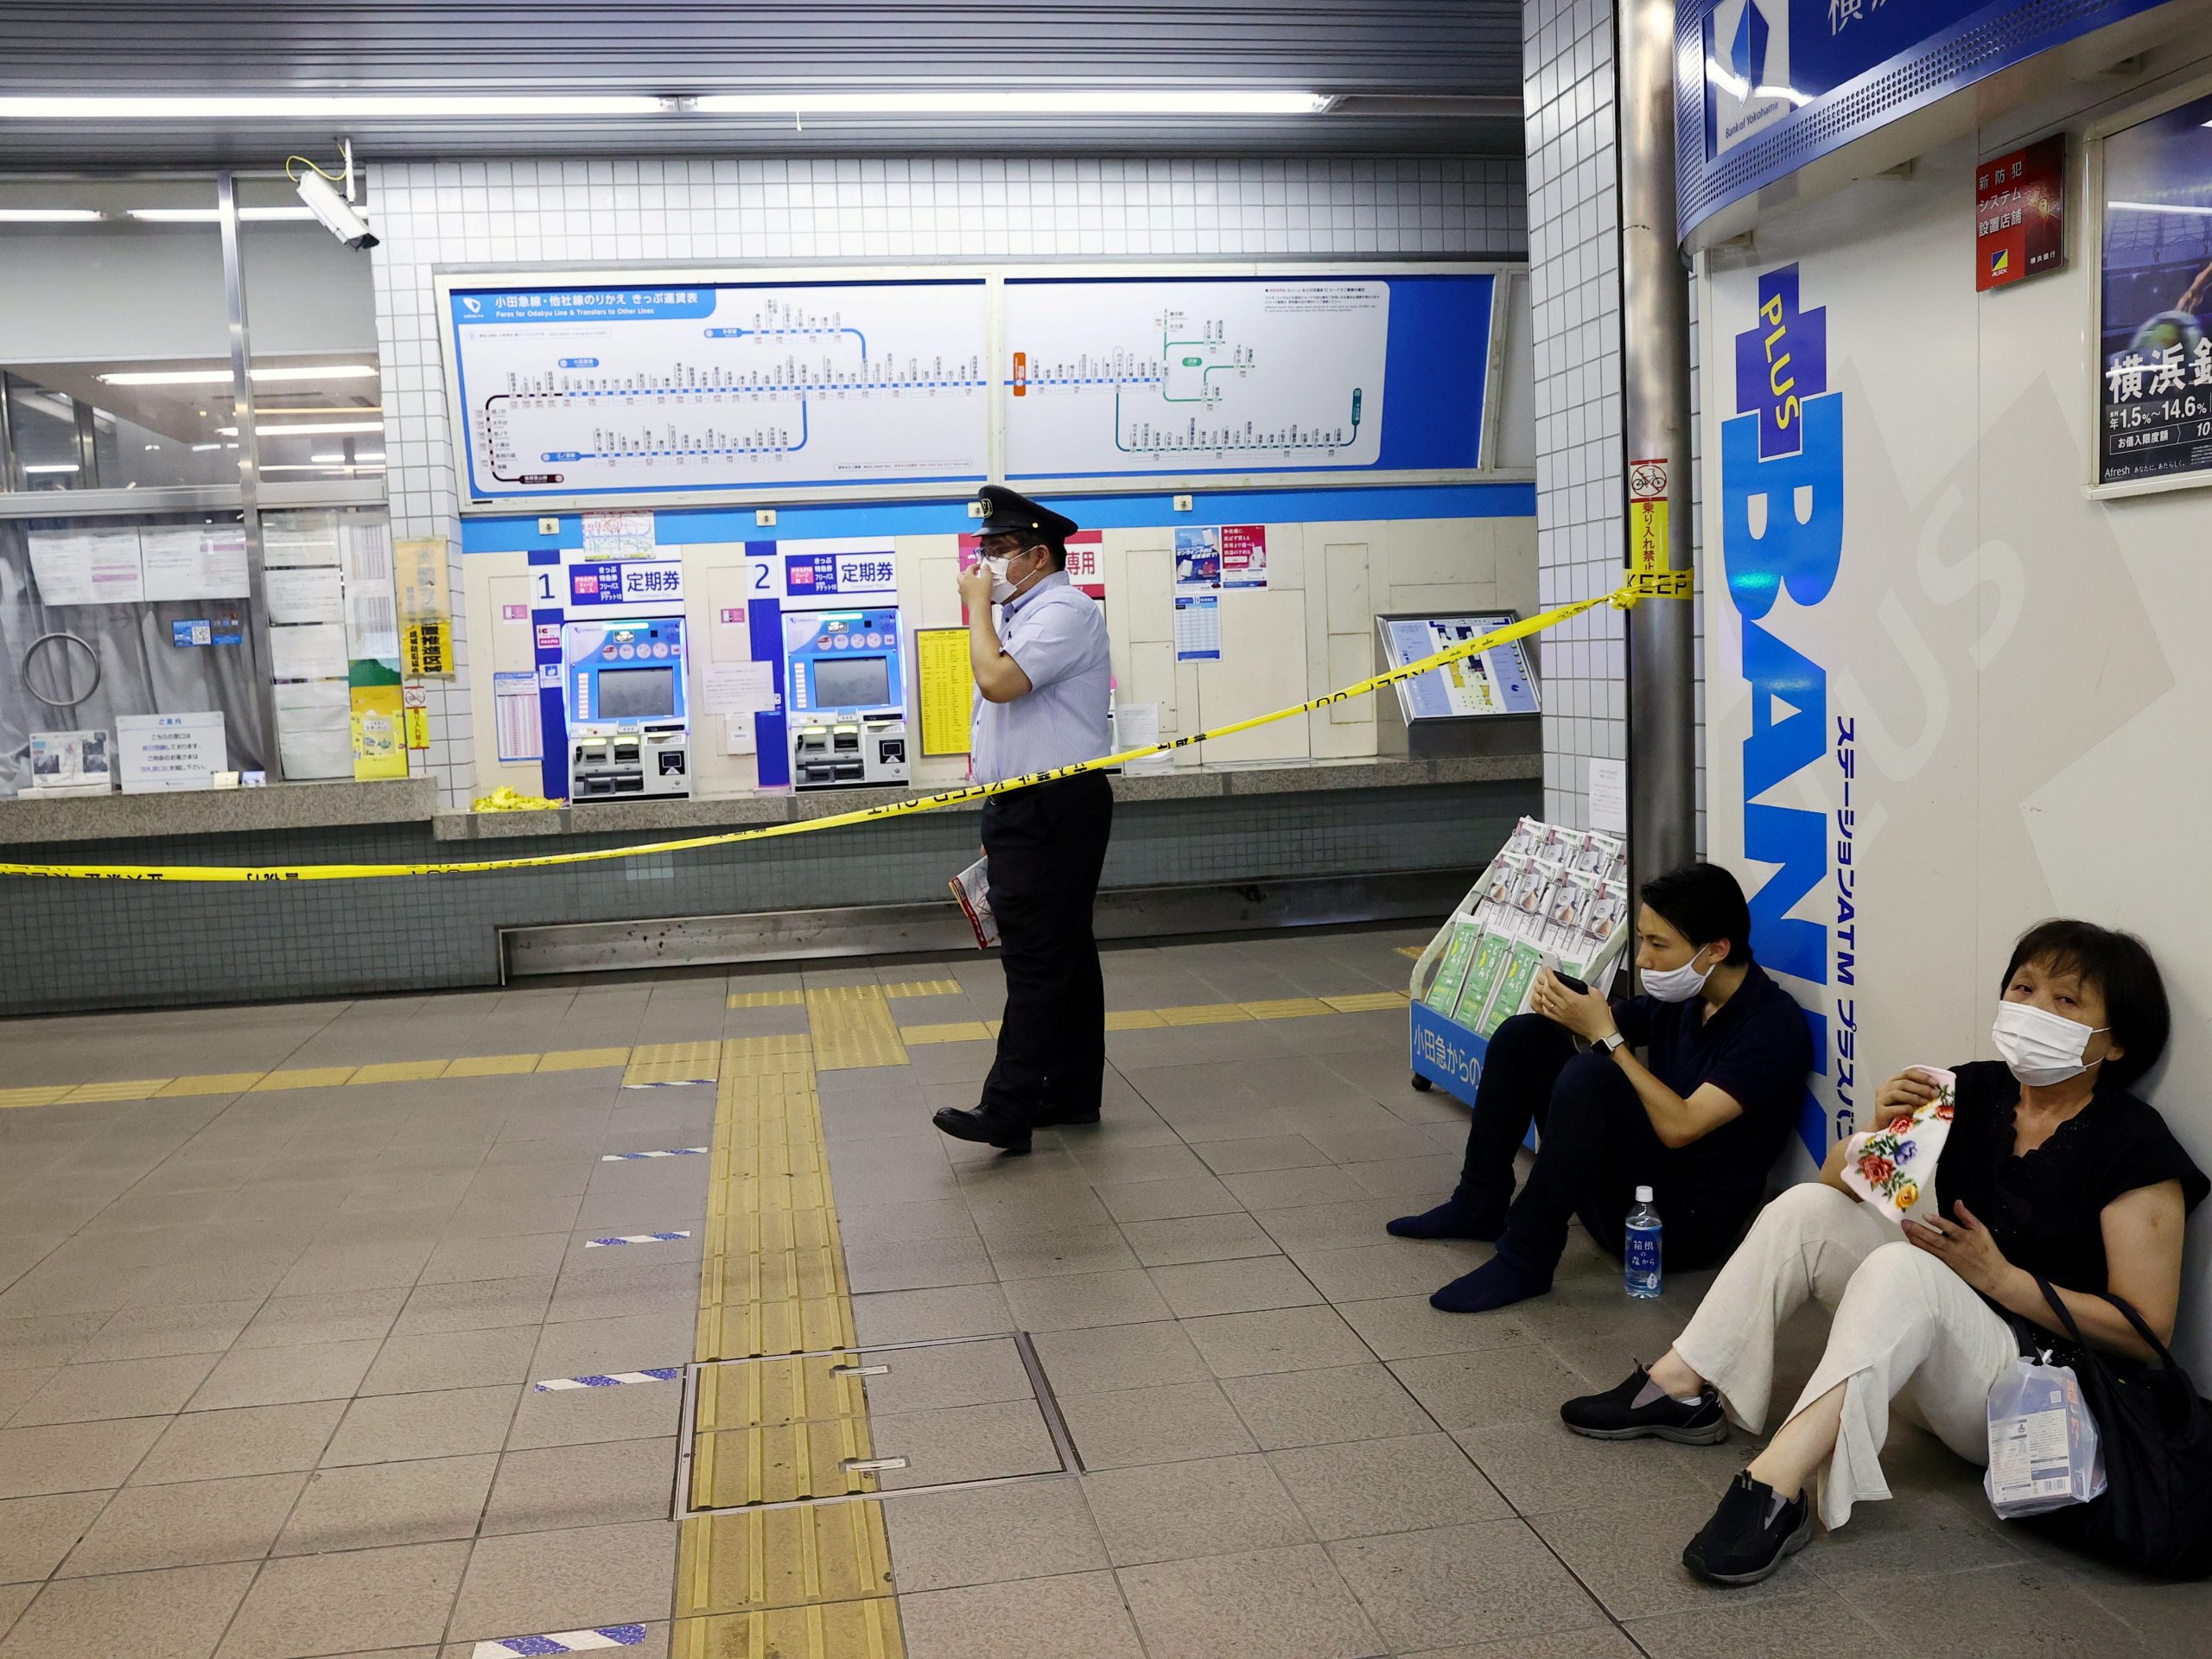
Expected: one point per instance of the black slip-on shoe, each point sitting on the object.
(983, 1129)
(1614, 1414)
(1750, 1534)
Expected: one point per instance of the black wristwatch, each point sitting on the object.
(1611, 1044)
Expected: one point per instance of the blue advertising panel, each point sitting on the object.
(2155, 299)
(1764, 86)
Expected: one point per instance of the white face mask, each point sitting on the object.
(1002, 590)
(2040, 1047)
(1677, 984)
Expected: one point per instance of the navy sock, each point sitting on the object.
(1496, 1283)
(1455, 1217)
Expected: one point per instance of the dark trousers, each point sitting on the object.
(1597, 1148)
(1045, 845)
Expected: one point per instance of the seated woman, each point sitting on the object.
(1701, 1118)
(2051, 1169)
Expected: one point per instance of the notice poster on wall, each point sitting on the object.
(2019, 214)
(192, 561)
(1243, 555)
(1197, 627)
(2155, 388)
(945, 682)
(87, 567)
(521, 726)
(315, 729)
(170, 751)
(1198, 559)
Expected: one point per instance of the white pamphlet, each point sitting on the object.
(312, 650)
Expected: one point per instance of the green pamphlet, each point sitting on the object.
(1443, 994)
(1482, 979)
(1512, 988)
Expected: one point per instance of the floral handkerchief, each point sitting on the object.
(1893, 1169)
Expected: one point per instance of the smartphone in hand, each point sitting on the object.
(1570, 983)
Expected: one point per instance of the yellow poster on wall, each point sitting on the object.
(379, 750)
(424, 589)
(946, 681)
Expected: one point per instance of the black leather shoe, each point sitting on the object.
(984, 1130)
(1750, 1534)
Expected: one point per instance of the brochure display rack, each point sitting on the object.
(1552, 897)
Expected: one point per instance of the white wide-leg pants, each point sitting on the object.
(1905, 1325)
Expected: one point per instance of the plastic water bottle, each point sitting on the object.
(1640, 1256)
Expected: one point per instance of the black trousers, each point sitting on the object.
(1597, 1148)
(1046, 845)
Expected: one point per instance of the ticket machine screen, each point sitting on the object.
(636, 693)
(852, 681)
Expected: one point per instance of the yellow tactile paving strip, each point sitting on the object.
(852, 1027)
(923, 988)
(673, 1063)
(1198, 1014)
(812, 1581)
(767, 999)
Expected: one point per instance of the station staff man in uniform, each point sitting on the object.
(1041, 682)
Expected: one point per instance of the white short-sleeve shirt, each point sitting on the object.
(1056, 633)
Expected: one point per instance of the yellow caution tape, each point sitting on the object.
(1621, 599)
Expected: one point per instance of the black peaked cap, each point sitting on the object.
(1006, 513)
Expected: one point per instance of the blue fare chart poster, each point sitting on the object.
(2155, 299)
(1181, 377)
(568, 392)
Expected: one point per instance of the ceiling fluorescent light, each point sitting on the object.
(1193, 101)
(49, 215)
(53, 467)
(366, 454)
(332, 107)
(2159, 207)
(305, 430)
(210, 215)
(222, 376)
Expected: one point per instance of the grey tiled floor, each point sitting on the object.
(265, 1360)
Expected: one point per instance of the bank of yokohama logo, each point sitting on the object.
(1747, 76)
(1747, 48)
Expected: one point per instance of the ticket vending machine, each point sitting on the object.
(846, 698)
(629, 725)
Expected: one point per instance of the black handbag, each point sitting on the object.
(2155, 1513)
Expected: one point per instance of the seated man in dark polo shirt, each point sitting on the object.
(1700, 1120)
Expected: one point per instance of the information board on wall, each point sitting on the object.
(573, 391)
(1493, 681)
(2155, 299)
(691, 386)
(945, 680)
(1118, 378)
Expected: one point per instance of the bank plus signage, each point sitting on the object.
(1781, 475)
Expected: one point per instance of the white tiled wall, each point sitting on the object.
(1574, 272)
(535, 212)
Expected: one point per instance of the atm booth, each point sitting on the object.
(628, 711)
(845, 698)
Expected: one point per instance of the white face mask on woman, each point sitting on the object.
(1677, 984)
(2041, 1047)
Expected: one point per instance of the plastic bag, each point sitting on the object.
(2044, 1453)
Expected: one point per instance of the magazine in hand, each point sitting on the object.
(972, 888)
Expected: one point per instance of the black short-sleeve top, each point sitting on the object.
(2045, 1207)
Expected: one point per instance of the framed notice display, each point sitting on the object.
(2154, 298)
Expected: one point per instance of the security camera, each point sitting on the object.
(339, 216)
